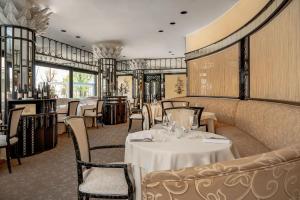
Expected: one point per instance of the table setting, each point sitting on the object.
(170, 146)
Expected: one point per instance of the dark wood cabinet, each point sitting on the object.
(36, 132)
(114, 110)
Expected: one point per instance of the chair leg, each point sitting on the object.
(8, 159)
(130, 123)
(96, 123)
(69, 131)
(18, 154)
(101, 120)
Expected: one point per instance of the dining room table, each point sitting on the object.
(208, 118)
(161, 148)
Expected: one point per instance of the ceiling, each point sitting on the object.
(134, 22)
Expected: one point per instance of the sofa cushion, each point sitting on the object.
(273, 175)
(225, 109)
(245, 143)
(276, 125)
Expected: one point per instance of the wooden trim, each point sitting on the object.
(276, 101)
(217, 97)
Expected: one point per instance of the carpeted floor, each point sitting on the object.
(52, 175)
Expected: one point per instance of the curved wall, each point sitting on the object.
(268, 62)
(241, 13)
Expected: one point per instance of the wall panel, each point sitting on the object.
(275, 57)
(216, 74)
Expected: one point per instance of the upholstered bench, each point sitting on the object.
(267, 136)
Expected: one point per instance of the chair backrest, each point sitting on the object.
(80, 137)
(128, 107)
(72, 108)
(99, 106)
(136, 102)
(13, 121)
(165, 105)
(182, 116)
(177, 104)
(146, 117)
(197, 116)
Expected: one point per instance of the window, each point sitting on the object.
(58, 80)
(84, 85)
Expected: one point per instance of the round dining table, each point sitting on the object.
(168, 152)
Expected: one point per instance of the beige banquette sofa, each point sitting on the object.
(267, 136)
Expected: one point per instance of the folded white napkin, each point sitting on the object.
(216, 139)
(140, 137)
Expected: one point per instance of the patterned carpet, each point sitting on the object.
(51, 175)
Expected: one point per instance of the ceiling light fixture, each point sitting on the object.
(184, 12)
(63, 30)
(160, 31)
(172, 23)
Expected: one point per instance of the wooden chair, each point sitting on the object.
(198, 114)
(72, 111)
(133, 116)
(107, 181)
(181, 115)
(95, 112)
(10, 137)
(146, 114)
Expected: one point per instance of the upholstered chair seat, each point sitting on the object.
(61, 118)
(95, 113)
(11, 140)
(98, 180)
(109, 181)
(10, 135)
(136, 116)
(158, 118)
(91, 113)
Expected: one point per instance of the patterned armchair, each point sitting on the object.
(274, 175)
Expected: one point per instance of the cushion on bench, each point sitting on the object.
(245, 143)
(275, 125)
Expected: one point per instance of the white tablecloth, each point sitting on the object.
(168, 153)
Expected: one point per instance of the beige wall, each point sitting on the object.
(275, 57)
(241, 13)
(216, 74)
(175, 86)
(126, 82)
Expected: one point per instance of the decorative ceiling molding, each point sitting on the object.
(28, 14)
(107, 49)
